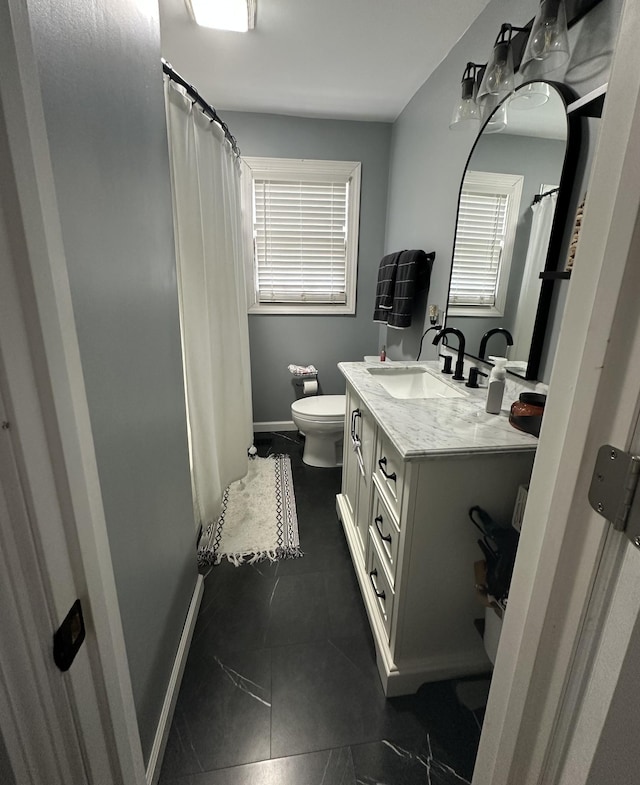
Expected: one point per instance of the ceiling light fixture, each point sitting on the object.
(235, 15)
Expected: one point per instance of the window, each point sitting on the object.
(485, 233)
(302, 222)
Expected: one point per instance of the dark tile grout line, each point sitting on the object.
(176, 780)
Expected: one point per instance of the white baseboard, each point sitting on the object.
(276, 425)
(171, 696)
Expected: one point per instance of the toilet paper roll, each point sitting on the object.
(310, 387)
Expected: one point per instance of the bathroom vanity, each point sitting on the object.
(413, 466)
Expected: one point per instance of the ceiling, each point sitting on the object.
(343, 59)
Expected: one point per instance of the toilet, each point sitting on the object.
(321, 419)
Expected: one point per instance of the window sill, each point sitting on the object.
(300, 309)
(474, 311)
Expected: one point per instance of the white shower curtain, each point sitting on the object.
(530, 288)
(205, 177)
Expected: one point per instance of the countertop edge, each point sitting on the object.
(374, 401)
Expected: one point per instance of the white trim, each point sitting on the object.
(592, 400)
(275, 425)
(36, 715)
(586, 99)
(492, 183)
(301, 309)
(561, 756)
(53, 440)
(302, 169)
(171, 696)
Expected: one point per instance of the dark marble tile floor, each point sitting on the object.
(281, 685)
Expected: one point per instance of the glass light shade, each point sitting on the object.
(497, 121)
(498, 79)
(466, 113)
(548, 43)
(530, 96)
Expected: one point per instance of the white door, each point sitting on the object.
(606, 714)
(570, 632)
(37, 724)
(77, 727)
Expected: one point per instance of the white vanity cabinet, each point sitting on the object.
(359, 446)
(413, 546)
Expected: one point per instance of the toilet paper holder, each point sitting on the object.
(306, 384)
(305, 380)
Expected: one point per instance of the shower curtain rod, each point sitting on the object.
(539, 197)
(198, 99)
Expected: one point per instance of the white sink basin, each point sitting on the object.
(411, 381)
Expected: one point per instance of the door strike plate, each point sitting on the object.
(613, 487)
(68, 638)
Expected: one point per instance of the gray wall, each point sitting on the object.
(104, 108)
(324, 341)
(428, 159)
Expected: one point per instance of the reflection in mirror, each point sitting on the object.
(505, 217)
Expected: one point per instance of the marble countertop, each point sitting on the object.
(424, 428)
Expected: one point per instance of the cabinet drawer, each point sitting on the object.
(389, 470)
(384, 531)
(380, 587)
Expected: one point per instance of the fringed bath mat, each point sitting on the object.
(258, 519)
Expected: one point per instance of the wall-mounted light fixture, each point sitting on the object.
(235, 15)
(467, 112)
(541, 46)
(548, 43)
(499, 77)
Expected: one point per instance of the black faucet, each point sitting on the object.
(488, 334)
(459, 372)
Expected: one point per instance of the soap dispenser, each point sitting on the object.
(495, 389)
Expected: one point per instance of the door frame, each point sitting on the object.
(562, 541)
(556, 606)
(62, 529)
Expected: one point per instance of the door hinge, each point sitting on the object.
(613, 488)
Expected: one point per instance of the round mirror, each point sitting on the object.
(511, 216)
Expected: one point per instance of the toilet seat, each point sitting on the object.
(323, 408)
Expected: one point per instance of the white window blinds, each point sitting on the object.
(300, 235)
(480, 235)
(485, 233)
(302, 225)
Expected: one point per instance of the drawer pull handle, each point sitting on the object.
(374, 574)
(354, 415)
(378, 521)
(382, 463)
